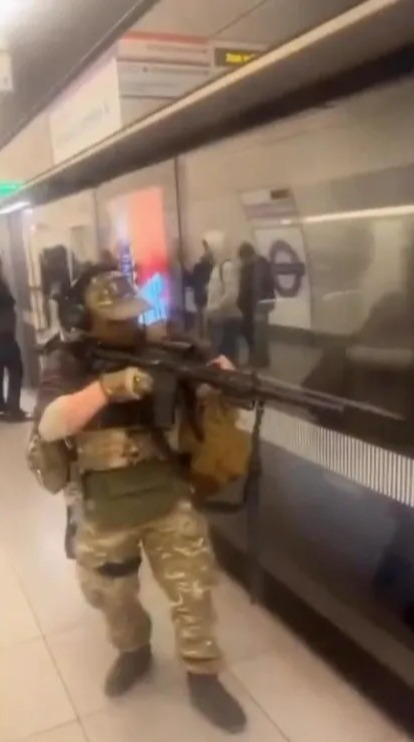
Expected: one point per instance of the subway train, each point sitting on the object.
(337, 518)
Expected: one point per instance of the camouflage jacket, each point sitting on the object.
(125, 478)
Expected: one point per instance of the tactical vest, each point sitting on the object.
(127, 475)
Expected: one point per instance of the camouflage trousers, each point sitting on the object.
(179, 552)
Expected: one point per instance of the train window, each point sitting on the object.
(138, 217)
(313, 219)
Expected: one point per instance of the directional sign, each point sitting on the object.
(234, 56)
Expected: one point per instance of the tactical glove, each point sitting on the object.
(126, 385)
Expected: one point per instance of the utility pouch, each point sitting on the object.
(49, 462)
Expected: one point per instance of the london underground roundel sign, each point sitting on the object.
(288, 269)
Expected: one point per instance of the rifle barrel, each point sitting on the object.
(243, 384)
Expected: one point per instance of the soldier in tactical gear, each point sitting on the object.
(98, 431)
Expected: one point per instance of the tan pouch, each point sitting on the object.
(113, 448)
(49, 462)
(223, 454)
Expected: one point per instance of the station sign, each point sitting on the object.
(230, 57)
(164, 48)
(162, 66)
(274, 221)
(142, 72)
(163, 81)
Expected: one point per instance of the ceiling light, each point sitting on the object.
(18, 206)
(386, 212)
(9, 11)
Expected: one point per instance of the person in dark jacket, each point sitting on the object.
(10, 356)
(199, 280)
(256, 301)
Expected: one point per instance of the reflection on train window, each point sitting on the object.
(139, 239)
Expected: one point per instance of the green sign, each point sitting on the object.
(9, 187)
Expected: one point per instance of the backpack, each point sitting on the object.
(265, 282)
(200, 278)
(256, 285)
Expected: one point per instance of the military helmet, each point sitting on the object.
(100, 295)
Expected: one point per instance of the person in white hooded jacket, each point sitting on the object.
(222, 312)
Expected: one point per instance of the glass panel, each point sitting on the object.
(60, 238)
(313, 217)
(139, 227)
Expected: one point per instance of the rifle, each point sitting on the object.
(175, 360)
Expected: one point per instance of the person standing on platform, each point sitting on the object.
(135, 497)
(199, 280)
(256, 301)
(10, 356)
(222, 312)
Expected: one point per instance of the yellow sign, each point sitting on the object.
(236, 58)
(233, 57)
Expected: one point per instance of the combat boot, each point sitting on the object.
(212, 700)
(127, 670)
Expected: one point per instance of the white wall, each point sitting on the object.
(28, 154)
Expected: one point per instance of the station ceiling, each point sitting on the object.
(52, 41)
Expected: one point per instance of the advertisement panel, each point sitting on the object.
(139, 240)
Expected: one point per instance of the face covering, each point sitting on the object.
(117, 334)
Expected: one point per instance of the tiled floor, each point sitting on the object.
(53, 652)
